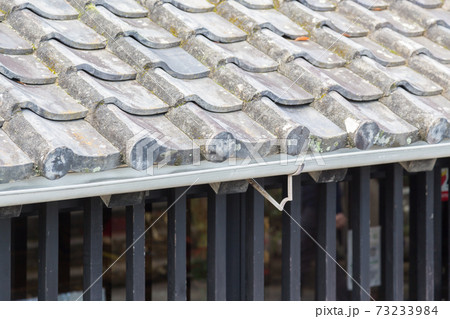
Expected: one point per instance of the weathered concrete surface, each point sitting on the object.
(234, 187)
(10, 212)
(419, 166)
(328, 176)
(121, 200)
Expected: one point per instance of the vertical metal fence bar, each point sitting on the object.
(291, 266)
(326, 266)
(93, 249)
(107, 248)
(243, 246)
(233, 247)
(447, 252)
(48, 252)
(19, 257)
(135, 257)
(255, 244)
(393, 233)
(217, 248)
(360, 215)
(148, 257)
(424, 236)
(188, 250)
(176, 245)
(437, 237)
(413, 212)
(5, 259)
(64, 252)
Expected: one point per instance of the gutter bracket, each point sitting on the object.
(266, 195)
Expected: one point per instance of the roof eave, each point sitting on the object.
(126, 180)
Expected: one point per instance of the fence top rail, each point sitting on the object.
(126, 180)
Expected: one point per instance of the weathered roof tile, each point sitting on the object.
(251, 20)
(350, 48)
(378, 53)
(257, 4)
(175, 61)
(144, 140)
(249, 86)
(216, 143)
(359, 15)
(353, 87)
(304, 16)
(373, 4)
(187, 24)
(425, 18)
(285, 50)
(320, 81)
(388, 78)
(319, 5)
(99, 63)
(129, 96)
(325, 136)
(243, 54)
(79, 4)
(26, 69)
(348, 28)
(48, 101)
(362, 131)
(400, 24)
(398, 43)
(123, 8)
(394, 131)
(293, 125)
(441, 17)
(428, 4)
(432, 69)
(436, 102)
(50, 9)
(205, 92)
(194, 6)
(223, 135)
(291, 134)
(436, 51)
(141, 29)
(11, 42)
(59, 147)
(393, 50)
(72, 33)
(14, 163)
(252, 140)
(432, 124)
(439, 34)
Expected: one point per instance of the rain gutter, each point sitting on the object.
(126, 180)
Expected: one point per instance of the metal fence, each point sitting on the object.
(235, 241)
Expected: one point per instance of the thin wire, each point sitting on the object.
(132, 245)
(324, 250)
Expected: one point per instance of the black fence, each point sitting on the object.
(235, 232)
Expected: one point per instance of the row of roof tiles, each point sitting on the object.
(90, 85)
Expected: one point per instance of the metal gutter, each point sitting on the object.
(126, 180)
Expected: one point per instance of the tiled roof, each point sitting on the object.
(90, 85)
